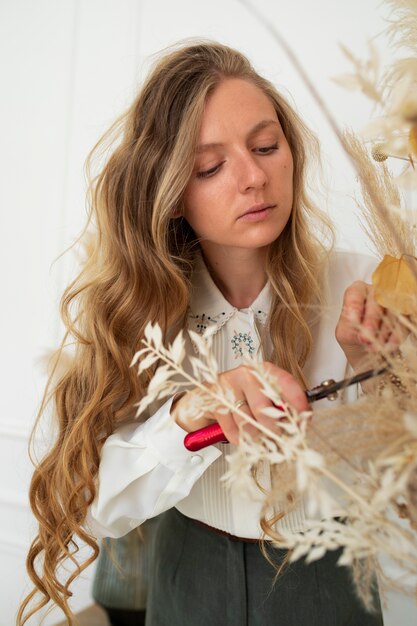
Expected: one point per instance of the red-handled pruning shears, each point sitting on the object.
(328, 389)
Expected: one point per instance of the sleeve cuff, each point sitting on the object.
(165, 439)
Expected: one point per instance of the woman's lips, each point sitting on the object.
(257, 212)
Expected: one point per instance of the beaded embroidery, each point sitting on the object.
(261, 316)
(242, 342)
(201, 321)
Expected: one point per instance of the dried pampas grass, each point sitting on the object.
(381, 199)
(403, 24)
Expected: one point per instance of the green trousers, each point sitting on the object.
(122, 571)
(200, 578)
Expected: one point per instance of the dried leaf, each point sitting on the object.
(144, 403)
(148, 332)
(412, 138)
(160, 377)
(395, 284)
(196, 367)
(373, 61)
(137, 356)
(149, 360)
(156, 336)
(312, 458)
(276, 457)
(301, 550)
(349, 55)
(177, 350)
(348, 81)
(273, 411)
(345, 558)
(288, 427)
(315, 554)
(199, 342)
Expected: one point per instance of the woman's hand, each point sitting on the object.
(245, 387)
(364, 326)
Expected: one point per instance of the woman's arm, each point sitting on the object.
(145, 469)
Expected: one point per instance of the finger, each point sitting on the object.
(388, 333)
(292, 392)
(229, 420)
(384, 333)
(391, 333)
(354, 300)
(398, 329)
(246, 386)
(252, 431)
(229, 427)
(233, 421)
(397, 337)
(241, 422)
(257, 403)
(392, 344)
(372, 320)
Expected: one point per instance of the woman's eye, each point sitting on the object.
(209, 172)
(266, 149)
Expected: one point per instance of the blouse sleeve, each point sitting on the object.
(145, 469)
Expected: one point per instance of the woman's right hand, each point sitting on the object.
(245, 387)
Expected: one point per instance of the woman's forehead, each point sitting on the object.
(236, 105)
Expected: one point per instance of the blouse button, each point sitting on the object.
(196, 459)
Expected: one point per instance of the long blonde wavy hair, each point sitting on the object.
(138, 270)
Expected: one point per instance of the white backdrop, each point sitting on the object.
(67, 68)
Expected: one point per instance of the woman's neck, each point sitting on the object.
(239, 274)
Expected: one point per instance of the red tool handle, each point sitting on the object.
(214, 434)
(204, 437)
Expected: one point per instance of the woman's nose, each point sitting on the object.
(251, 174)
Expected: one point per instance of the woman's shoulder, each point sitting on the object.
(348, 265)
(343, 268)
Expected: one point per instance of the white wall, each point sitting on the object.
(68, 67)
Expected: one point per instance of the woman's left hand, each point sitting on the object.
(364, 326)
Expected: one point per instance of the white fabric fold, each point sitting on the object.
(144, 470)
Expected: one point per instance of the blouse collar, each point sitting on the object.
(209, 307)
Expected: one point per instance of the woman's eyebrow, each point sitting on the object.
(208, 146)
(259, 126)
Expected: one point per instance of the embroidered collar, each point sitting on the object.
(209, 307)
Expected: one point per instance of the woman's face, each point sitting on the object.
(240, 193)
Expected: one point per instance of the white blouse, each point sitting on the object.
(145, 468)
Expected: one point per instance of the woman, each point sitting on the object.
(202, 219)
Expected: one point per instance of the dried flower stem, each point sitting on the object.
(343, 486)
(220, 398)
(271, 435)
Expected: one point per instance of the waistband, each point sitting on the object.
(224, 533)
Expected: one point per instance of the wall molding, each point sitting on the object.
(11, 498)
(11, 430)
(13, 545)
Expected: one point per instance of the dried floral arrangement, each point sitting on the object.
(366, 450)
